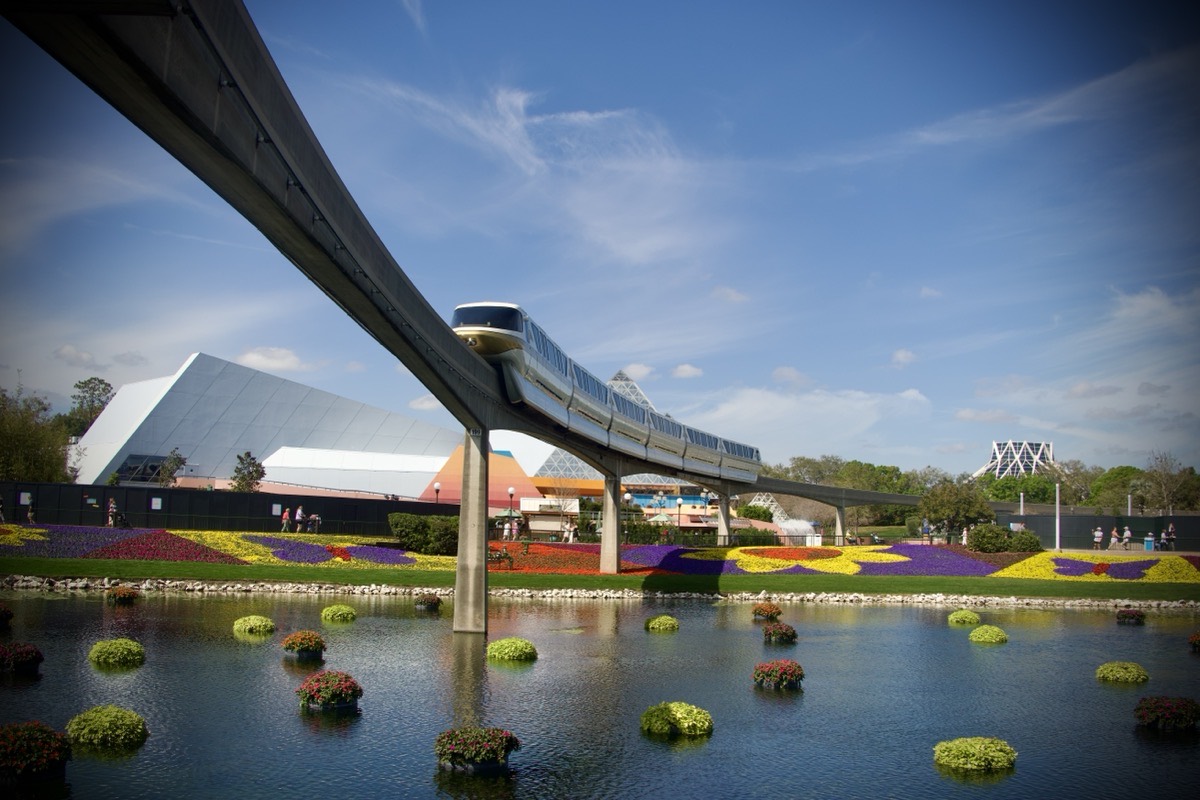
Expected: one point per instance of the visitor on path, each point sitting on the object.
(30, 517)
(1097, 537)
(286, 520)
(1, 510)
(112, 511)
(1170, 532)
(299, 519)
(1125, 537)
(1115, 541)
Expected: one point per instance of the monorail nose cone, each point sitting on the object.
(471, 341)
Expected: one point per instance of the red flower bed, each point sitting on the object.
(162, 546)
(338, 552)
(1100, 568)
(561, 559)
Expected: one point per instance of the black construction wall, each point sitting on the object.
(198, 509)
(1075, 531)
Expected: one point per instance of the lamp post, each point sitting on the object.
(679, 515)
(512, 527)
(661, 501)
(437, 490)
(625, 516)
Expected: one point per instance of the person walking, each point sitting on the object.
(299, 519)
(1125, 537)
(112, 511)
(1097, 537)
(286, 520)
(1115, 541)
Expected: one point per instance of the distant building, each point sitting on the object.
(1017, 458)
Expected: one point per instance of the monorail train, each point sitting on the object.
(537, 373)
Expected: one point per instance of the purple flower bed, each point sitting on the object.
(288, 550)
(1121, 570)
(70, 541)
(380, 555)
(927, 560)
(162, 546)
(670, 558)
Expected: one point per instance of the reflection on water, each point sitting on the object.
(883, 686)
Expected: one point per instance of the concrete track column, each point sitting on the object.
(723, 527)
(470, 580)
(839, 531)
(610, 541)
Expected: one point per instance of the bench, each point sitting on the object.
(497, 556)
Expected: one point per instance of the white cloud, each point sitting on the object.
(273, 360)
(928, 292)
(77, 358)
(984, 415)
(686, 371)
(789, 375)
(355, 366)
(728, 295)
(1084, 389)
(425, 402)
(639, 372)
(902, 358)
(1145, 388)
(131, 358)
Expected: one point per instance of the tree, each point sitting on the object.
(91, 397)
(1164, 480)
(170, 467)
(33, 444)
(1117, 489)
(248, 474)
(1036, 488)
(953, 506)
(760, 513)
(1075, 480)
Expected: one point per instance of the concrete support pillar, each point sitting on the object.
(839, 531)
(723, 525)
(610, 530)
(470, 580)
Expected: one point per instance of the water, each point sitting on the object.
(883, 686)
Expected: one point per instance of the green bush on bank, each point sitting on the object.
(427, 535)
(990, 538)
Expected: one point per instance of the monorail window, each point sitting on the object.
(701, 438)
(628, 408)
(664, 425)
(590, 383)
(548, 349)
(501, 317)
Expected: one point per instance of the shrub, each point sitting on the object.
(307, 641)
(108, 728)
(1121, 672)
(430, 601)
(254, 625)
(461, 746)
(1167, 713)
(676, 719)
(988, 634)
(512, 648)
(1194, 641)
(431, 536)
(974, 753)
(1131, 616)
(779, 633)
(988, 538)
(122, 595)
(767, 610)
(329, 687)
(20, 657)
(782, 673)
(30, 749)
(119, 652)
(662, 623)
(1023, 542)
(963, 617)
(338, 613)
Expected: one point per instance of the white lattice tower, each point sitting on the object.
(778, 515)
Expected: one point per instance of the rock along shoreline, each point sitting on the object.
(197, 587)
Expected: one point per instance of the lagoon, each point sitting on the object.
(883, 686)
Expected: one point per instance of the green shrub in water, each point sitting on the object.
(338, 613)
(963, 617)
(512, 648)
(1121, 672)
(974, 753)
(254, 625)
(988, 634)
(676, 719)
(108, 728)
(662, 623)
(117, 653)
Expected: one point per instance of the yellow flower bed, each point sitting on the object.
(1042, 566)
(232, 544)
(235, 544)
(16, 535)
(846, 562)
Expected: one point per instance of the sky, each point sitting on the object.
(890, 232)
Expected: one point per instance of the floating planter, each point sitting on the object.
(779, 633)
(305, 645)
(108, 728)
(254, 625)
(1167, 714)
(1194, 642)
(662, 623)
(428, 602)
(963, 617)
(329, 690)
(338, 613)
(1131, 616)
(475, 751)
(771, 611)
(31, 752)
(512, 648)
(782, 674)
(974, 754)
(988, 634)
(119, 653)
(676, 719)
(1121, 672)
(122, 595)
(20, 658)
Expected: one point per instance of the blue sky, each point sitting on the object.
(892, 232)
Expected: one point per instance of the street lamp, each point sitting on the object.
(679, 514)
(510, 525)
(661, 501)
(437, 490)
(625, 516)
